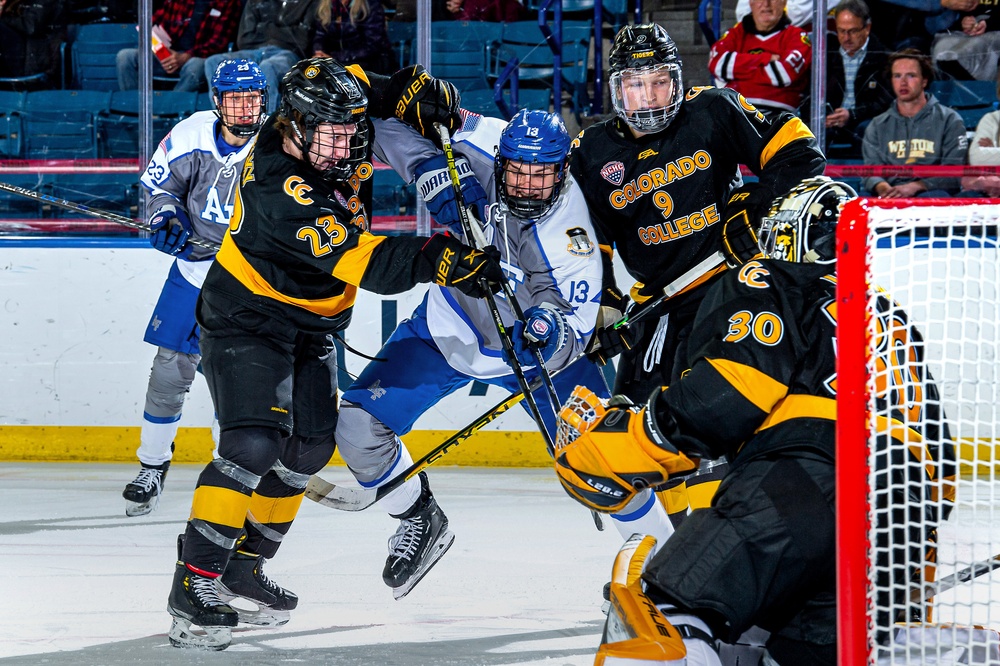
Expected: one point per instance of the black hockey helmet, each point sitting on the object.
(802, 225)
(320, 91)
(645, 53)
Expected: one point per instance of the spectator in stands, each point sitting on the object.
(765, 58)
(353, 32)
(972, 48)
(275, 34)
(984, 151)
(484, 10)
(30, 34)
(196, 30)
(856, 87)
(915, 130)
(800, 12)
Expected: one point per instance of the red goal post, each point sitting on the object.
(909, 532)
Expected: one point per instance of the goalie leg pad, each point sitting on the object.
(637, 631)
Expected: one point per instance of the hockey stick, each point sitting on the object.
(96, 212)
(930, 590)
(356, 499)
(475, 236)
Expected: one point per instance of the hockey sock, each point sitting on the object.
(155, 439)
(644, 515)
(401, 499)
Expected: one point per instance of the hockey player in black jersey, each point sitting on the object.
(759, 388)
(297, 251)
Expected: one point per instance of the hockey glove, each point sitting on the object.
(742, 215)
(434, 184)
(455, 264)
(545, 328)
(421, 100)
(170, 228)
(617, 451)
(607, 341)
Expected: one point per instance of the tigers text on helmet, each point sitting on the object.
(239, 90)
(646, 84)
(802, 225)
(327, 112)
(530, 165)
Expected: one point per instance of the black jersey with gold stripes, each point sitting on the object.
(658, 199)
(299, 245)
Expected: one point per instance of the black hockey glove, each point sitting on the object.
(742, 216)
(608, 341)
(420, 100)
(455, 264)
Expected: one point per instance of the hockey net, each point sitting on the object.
(918, 492)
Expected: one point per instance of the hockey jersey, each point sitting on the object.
(190, 172)
(659, 199)
(742, 60)
(550, 260)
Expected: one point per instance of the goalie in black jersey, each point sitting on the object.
(297, 251)
(759, 388)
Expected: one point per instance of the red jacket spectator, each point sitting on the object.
(484, 10)
(770, 68)
(213, 35)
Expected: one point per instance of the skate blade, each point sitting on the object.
(214, 638)
(440, 548)
(262, 617)
(133, 509)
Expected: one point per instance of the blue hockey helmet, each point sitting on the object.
(239, 76)
(530, 164)
(802, 225)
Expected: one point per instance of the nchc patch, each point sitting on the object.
(579, 242)
(613, 172)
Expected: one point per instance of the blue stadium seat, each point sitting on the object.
(93, 51)
(59, 124)
(459, 51)
(204, 102)
(113, 192)
(401, 36)
(391, 196)
(482, 101)
(14, 206)
(971, 99)
(11, 106)
(118, 127)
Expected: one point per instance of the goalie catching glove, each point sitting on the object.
(422, 100)
(607, 454)
(455, 264)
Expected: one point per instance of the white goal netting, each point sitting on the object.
(931, 377)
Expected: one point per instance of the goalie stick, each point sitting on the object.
(928, 591)
(355, 499)
(96, 212)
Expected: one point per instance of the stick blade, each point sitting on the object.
(323, 492)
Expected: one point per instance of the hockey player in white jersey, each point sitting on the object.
(191, 180)
(535, 214)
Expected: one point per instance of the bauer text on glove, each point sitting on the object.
(452, 263)
(422, 101)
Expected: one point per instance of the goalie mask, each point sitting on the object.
(802, 225)
(646, 86)
(239, 91)
(327, 111)
(530, 164)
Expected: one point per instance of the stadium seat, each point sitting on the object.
(11, 106)
(93, 51)
(118, 126)
(459, 51)
(482, 101)
(59, 124)
(391, 196)
(113, 192)
(971, 99)
(14, 206)
(401, 36)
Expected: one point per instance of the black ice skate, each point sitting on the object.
(194, 600)
(420, 541)
(244, 578)
(143, 494)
